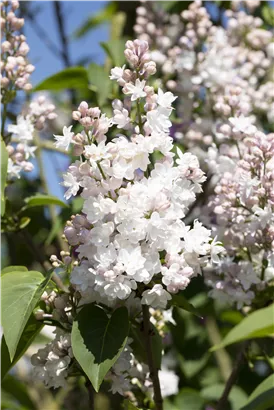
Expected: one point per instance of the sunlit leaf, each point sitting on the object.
(262, 398)
(21, 292)
(13, 269)
(103, 16)
(70, 78)
(42, 200)
(257, 324)
(31, 330)
(99, 82)
(98, 340)
(115, 51)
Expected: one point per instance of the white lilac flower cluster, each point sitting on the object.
(243, 210)
(22, 145)
(52, 362)
(15, 69)
(131, 237)
(226, 107)
(202, 62)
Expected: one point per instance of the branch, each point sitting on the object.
(64, 41)
(41, 259)
(222, 357)
(233, 377)
(152, 367)
(90, 394)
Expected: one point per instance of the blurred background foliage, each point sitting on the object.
(202, 374)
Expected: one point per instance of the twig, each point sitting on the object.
(222, 357)
(64, 41)
(42, 34)
(52, 210)
(42, 259)
(233, 377)
(152, 366)
(90, 394)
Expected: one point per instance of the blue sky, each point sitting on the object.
(46, 63)
(75, 12)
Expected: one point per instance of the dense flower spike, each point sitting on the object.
(15, 69)
(130, 245)
(223, 79)
(15, 75)
(130, 237)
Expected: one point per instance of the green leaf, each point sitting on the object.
(23, 223)
(42, 200)
(4, 169)
(191, 367)
(129, 406)
(99, 82)
(180, 301)
(257, 324)
(13, 269)
(31, 330)
(70, 78)
(97, 340)
(189, 399)
(139, 345)
(237, 397)
(18, 390)
(21, 291)
(268, 14)
(115, 51)
(94, 21)
(262, 398)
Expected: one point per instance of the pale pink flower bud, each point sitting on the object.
(10, 150)
(4, 82)
(24, 49)
(28, 166)
(29, 68)
(5, 46)
(83, 107)
(27, 87)
(76, 115)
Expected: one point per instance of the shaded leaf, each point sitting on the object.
(237, 397)
(262, 398)
(18, 391)
(180, 301)
(189, 399)
(32, 328)
(103, 16)
(129, 406)
(257, 324)
(97, 340)
(70, 78)
(4, 169)
(139, 345)
(42, 200)
(21, 292)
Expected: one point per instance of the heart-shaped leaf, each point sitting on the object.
(21, 292)
(98, 340)
(32, 328)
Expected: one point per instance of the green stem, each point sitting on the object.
(4, 117)
(152, 366)
(52, 210)
(233, 376)
(222, 357)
